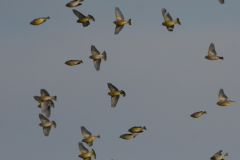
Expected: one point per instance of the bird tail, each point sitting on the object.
(104, 56)
(204, 112)
(122, 93)
(98, 136)
(54, 124)
(48, 17)
(221, 58)
(177, 21)
(54, 98)
(145, 128)
(226, 154)
(129, 22)
(91, 17)
(92, 153)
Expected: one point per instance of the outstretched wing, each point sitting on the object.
(78, 14)
(211, 50)
(44, 92)
(94, 50)
(118, 14)
(118, 29)
(42, 118)
(114, 100)
(85, 132)
(222, 97)
(82, 149)
(167, 17)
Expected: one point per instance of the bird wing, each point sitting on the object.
(89, 158)
(167, 16)
(42, 118)
(222, 97)
(118, 14)
(211, 50)
(94, 50)
(82, 149)
(221, 1)
(112, 87)
(78, 14)
(44, 92)
(114, 100)
(97, 63)
(118, 29)
(46, 130)
(36, 98)
(90, 144)
(85, 24)
(218, 153)
(46, 109)
(85, 132)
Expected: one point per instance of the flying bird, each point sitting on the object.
(44, 96)
(83, 19)
(218, 156)
(46, 124)
(120, 21)
(136, 129)
(223, 99)
(212, 54)
(169, 23)
(73, 62)
(96, 56)
(221, 1)
(45, 106)
(87, 136)
(115, 94)
(74, 3)
(128, 136)
(85, 154)
(198, 114)
(38, 21)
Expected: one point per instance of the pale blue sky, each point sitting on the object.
(164, 75)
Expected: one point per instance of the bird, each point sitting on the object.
(169, 23)
(83, 19)
(96, 56)
(120, 21)
(221, 1)
(136, 129)
(212, 54)
(198, 114)
(128, 136)
(74, 3)
(87, 138)
(223, 99)
(45, 106)
(115, 94)
(73, 62)
(38, 21)
(46, 124)
(45, 96)
(85, 154)
(218, 156)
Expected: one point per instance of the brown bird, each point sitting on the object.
(198, 114)
(120, 22)
(46, 124)
(218, 156)
(38, 21)
(73, 62)
(74, 3)
(128, 136)
(88, 138)
(85, 154)
(96, 56)
(45, 96)
(223, 99)
(83, 19)
(115, 94)
(136, 129)
(212, 54)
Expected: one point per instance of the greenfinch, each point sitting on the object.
(114, 93)
(87, 136)
(198, 114)
(218, 156)
(169, 23)
(223, 99)
(120, 21)
(212, 54)
(73, 62)
(38, 21)
(46, 124)
(221, 1)
(136, 129)
(74, 3)
(96, 56)
(45, 96)
(128, 136)
(83, 19)
(85, 154)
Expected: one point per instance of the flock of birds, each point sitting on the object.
(46, 102)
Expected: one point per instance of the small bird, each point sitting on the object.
(223, 99)
(198, 114)
(212, 54)
(73, 62)
(169, 23)
(74, 3)
(128, 136)
(45, 106)
(85, 154)
(83, 19)
(45, 96)
(120, 20)
(87, 136)
(46, 124)
(96, 56)
(38, 21)
(136, 129)
(221, 1)
(218, 156)
(114, 93)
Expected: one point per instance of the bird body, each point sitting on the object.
(85, 154)
(74, 3)
(223, 99)
(83, 19)
(221, 1)
(128, 136)
(218, 156)
(114, 93)
(198, 114)
(87, 136)
(169, 22)
(212, 54)
(38, 21)
(137, 129)
(73, 62)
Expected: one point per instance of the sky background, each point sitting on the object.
(164, 75)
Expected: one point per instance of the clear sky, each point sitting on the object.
(164, 75)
